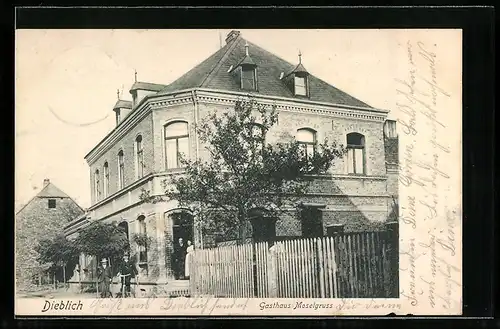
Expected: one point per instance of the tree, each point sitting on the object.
(58, 252)
(103, 240)
(244, 171)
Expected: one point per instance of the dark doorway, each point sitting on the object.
(263, 229)
(182, 226)
(312, 222)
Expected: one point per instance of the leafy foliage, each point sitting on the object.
(103, 240)
(243, 171)
(56, 252)
(142, 239)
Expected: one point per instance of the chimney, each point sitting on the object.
(232, 36)
(46, 182)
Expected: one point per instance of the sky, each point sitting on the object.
(67, 82)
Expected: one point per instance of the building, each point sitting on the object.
(137, 155)
(42, 217)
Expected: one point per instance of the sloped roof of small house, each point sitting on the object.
(147, 86)
(51, 191)
(48, 191)
(123, 104)
(212, 73)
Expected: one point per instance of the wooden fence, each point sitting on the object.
(347, 265)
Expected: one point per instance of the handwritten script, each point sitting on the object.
(430, 276)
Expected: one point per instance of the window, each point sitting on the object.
(248, 78)
(52, 203)
(121, 170)
(142, 224)
(141, 220)
(300, 85)
(355, 154)
(97, 185)
(176, 143)
(106, 179)
(139, 157)
(335, 229)
(307, 141)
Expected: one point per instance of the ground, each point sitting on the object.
(54, 293)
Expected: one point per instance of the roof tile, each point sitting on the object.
(212, 73)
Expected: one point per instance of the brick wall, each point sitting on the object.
(392, 180)
(34, 223)
(143, 128)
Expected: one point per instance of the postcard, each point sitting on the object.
(238, 172)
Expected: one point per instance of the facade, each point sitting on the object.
(141, 151)
(41, 218)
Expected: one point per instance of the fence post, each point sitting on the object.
(393, 255)
(272, 272)
(321, 267)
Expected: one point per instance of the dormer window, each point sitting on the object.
(246, 72)
(300, 84)
(297, 80)
(248, 77)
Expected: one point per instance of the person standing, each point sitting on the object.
(127, 272)
(180, 259)
(105, 276)
(189, 258)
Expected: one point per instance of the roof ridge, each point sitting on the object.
(219, 63)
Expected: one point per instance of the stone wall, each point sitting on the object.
(34, 223)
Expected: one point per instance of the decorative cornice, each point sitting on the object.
(183, 97)
(116, 134)
(137, 115)
(296, 106)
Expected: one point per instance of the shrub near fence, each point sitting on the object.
(347, 265)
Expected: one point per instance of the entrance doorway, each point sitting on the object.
(182, 228)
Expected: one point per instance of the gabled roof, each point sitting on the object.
(48, 191)
(51, 191)
(147, 86)
(213, 73)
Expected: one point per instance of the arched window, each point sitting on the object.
(121, 170)
(139, 158)
(356, 154)
(143, 254)
(307, 141)
(106, 178)
(176, 143)
(142, 224)
(124, 226)
(97, 185)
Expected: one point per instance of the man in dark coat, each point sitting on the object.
(105, 276)
(180, 259)
(127, 272)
